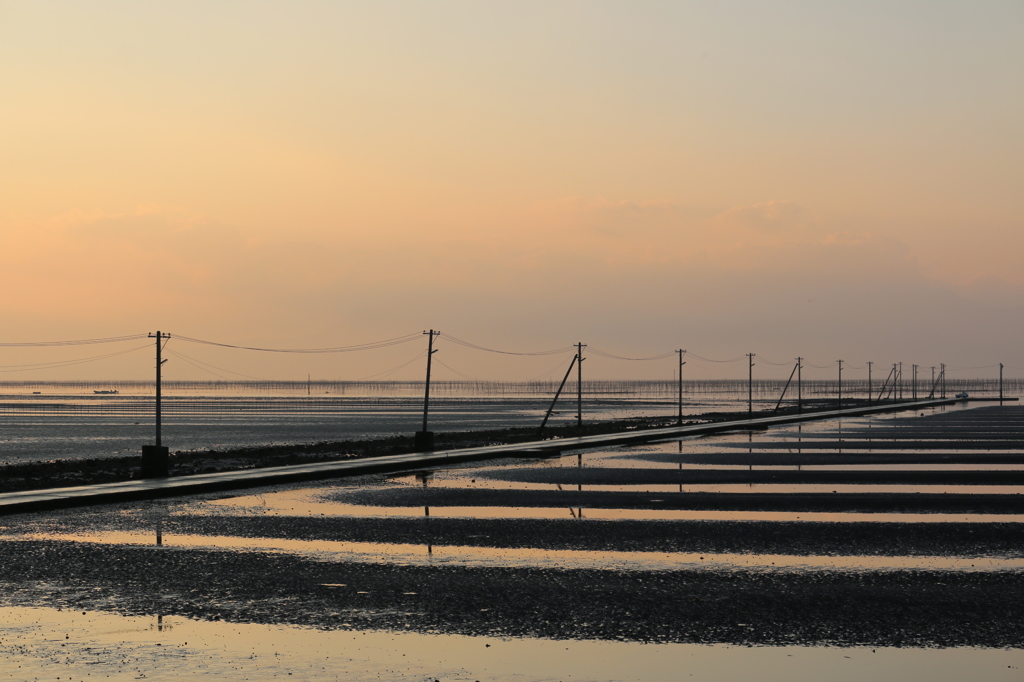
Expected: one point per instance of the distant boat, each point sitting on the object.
(962, 396)
(114, 392)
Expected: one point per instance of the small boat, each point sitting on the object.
(114, 392)
(962, 396)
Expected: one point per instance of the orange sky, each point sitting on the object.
(779, 178)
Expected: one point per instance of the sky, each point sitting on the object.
(818, 179)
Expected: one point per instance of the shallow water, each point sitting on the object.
(42, 643)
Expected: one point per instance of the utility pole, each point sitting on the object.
(1000, 383)
(869, 381)
(932, 394)
(579, 385)
(679, 421)
(942, 378)
(900, 375)
(915, 382)
(840, 384)
(750, 385)
(424, 438)
(799, 385)
(155, 457)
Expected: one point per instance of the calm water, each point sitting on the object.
(48, 421)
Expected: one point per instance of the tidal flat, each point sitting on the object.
(397, 577)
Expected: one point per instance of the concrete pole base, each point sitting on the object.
(155, 461)
(424, 441)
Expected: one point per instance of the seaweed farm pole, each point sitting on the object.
(579, 385)
(869, 381)
(424, 438)
(750, 384)
(679, 421)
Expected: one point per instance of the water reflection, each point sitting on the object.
(517, 557)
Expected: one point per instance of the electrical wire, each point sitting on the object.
(389, 372)
(68, 363)
(467, 344)
(205, 366)
(335, 349)
(691, 354)
(80, 342)
(807, 364)
(464, 376)
(761, 358)
(547, 374)
(595, 351)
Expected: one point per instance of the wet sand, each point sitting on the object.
(813, 583)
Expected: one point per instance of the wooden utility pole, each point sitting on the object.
(424, 438)
(1000, 383)
(942, 378)
(679, 420)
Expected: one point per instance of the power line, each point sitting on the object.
(461, 374)
(80, 342)
(388, 372)
(467, 344)
(68, 363)
(691, 354)
(602, 353)
(334, 349)
(205, 365)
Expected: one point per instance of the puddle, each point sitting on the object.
(41, 643)
(427, 554)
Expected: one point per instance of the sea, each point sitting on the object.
(71, 420)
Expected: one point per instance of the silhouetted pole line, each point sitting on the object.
(1000, 383)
